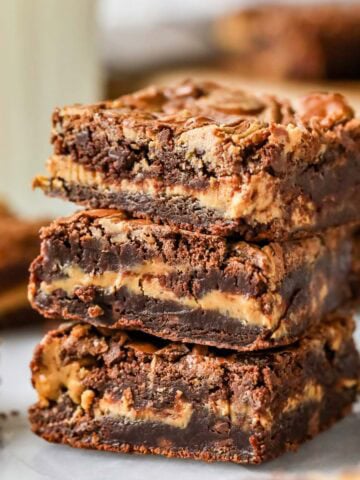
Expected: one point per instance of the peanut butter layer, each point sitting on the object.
(100, 267)
(222, 196)
(119, 391)
(211, 158)
(236, 306)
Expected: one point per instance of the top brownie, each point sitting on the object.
(212, 158)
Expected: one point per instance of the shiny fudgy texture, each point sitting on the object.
(122, 392)
(102, 268)
(213, 159)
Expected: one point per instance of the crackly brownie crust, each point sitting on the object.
(212, 159)
(19, 244)
(114, 391)
(99, 267)
(292, 41)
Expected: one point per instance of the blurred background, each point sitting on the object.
(56, 52)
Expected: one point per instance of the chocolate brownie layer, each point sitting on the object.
(292, 41)
(108, 390)
(355, 271)
(19, 243)
(212, 158)
(99, 267)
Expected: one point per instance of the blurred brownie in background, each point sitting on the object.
(304, 42)
(4, 209)
(19, 243)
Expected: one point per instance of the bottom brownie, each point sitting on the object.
(134, 393)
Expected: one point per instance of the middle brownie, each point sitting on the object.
(100, 267)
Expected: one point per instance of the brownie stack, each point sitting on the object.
(205, 277)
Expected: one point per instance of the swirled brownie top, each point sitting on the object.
(191, 105)
(212, 158)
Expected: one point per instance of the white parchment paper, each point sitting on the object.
(24, 456)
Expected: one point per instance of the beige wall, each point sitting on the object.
(48, 57)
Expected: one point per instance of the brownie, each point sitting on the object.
(5, 210)
(19, 244)
(213, 159)
(125, 392)
(355, 271)
(98, 266)
(292, 41)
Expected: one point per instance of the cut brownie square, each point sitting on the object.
(19, 244)
(122, 392)
(99, 267)
(213, 159)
